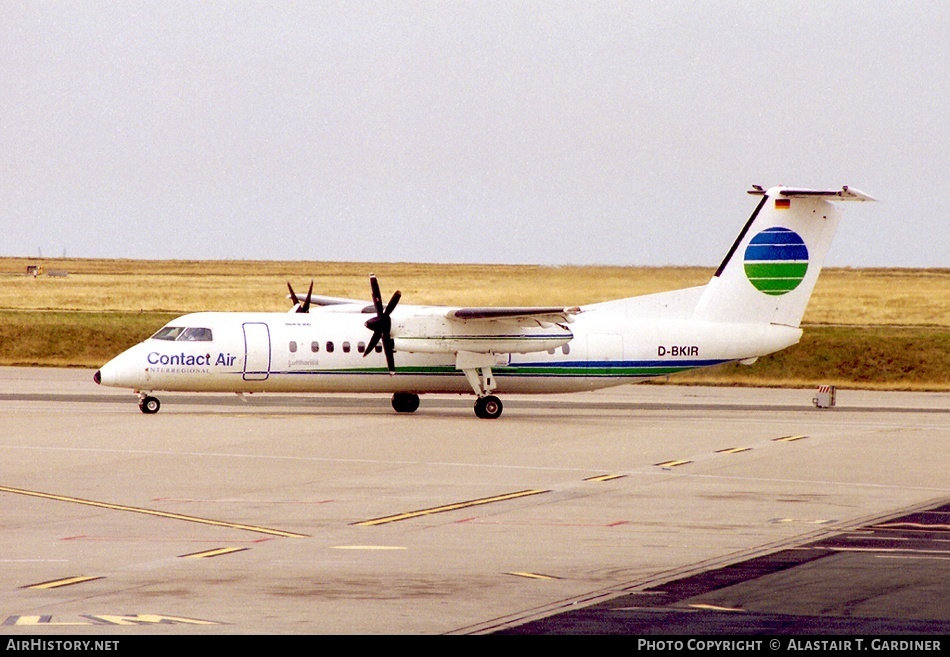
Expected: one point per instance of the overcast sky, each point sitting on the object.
(490, 132)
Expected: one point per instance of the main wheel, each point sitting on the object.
(488, 408)
(405, 402)
(149, 405)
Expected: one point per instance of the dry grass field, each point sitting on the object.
(187, 286)
(867, 327)
(897, 297)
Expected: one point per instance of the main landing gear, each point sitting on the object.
(405, 402)
(488, 408)
(148, 404)
(477, 371)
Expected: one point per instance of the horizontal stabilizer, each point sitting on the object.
(844, 194)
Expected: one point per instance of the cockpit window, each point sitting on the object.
(168, 333)
(195, 335)
(182, 334)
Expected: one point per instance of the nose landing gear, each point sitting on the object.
(148, 404)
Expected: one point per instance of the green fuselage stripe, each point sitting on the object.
(576, 369)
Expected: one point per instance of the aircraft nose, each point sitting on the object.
(107, 375)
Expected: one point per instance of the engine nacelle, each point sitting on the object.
(444, 336)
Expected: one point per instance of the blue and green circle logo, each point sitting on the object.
(776, 260)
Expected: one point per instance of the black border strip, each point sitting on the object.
(745, 229)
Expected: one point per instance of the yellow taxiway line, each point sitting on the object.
(213, 553)
(606, 477)
(671, 464)
(532, 575)
(151, 512)
(56, 583)
(448, 507)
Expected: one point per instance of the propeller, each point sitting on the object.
(305, 306)
(381, 324)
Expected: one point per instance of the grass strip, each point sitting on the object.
(72, 339)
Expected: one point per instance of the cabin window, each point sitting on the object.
(551, 351)
(314, 346)
(361, 346)
(346, 347)
(195, 335)
(329, 347)
(293, 346)
(379, 348)
(168, 333)
(566, 349)
(182, 334)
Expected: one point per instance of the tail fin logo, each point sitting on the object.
(776, 260)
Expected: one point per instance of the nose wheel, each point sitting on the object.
(488, 408)
(149, 405)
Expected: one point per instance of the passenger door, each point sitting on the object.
(257, 351)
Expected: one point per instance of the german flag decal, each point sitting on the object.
(783, 203)
(776, 260)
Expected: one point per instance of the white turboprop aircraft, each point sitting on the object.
(751, 307)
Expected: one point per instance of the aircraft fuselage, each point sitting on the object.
(752, 306)
(323, 352)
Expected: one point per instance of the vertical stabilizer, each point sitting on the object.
(770, 272)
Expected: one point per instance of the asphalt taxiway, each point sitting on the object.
(641, 509)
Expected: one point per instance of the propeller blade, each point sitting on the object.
(377, 298)
(392, 303)
(390, 360)
(381, 324)
(372, 343)
(306, 304)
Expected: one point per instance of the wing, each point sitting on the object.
(450, 330)
(519, 315)
(501, 330)
(318, 300)
(320, 303)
